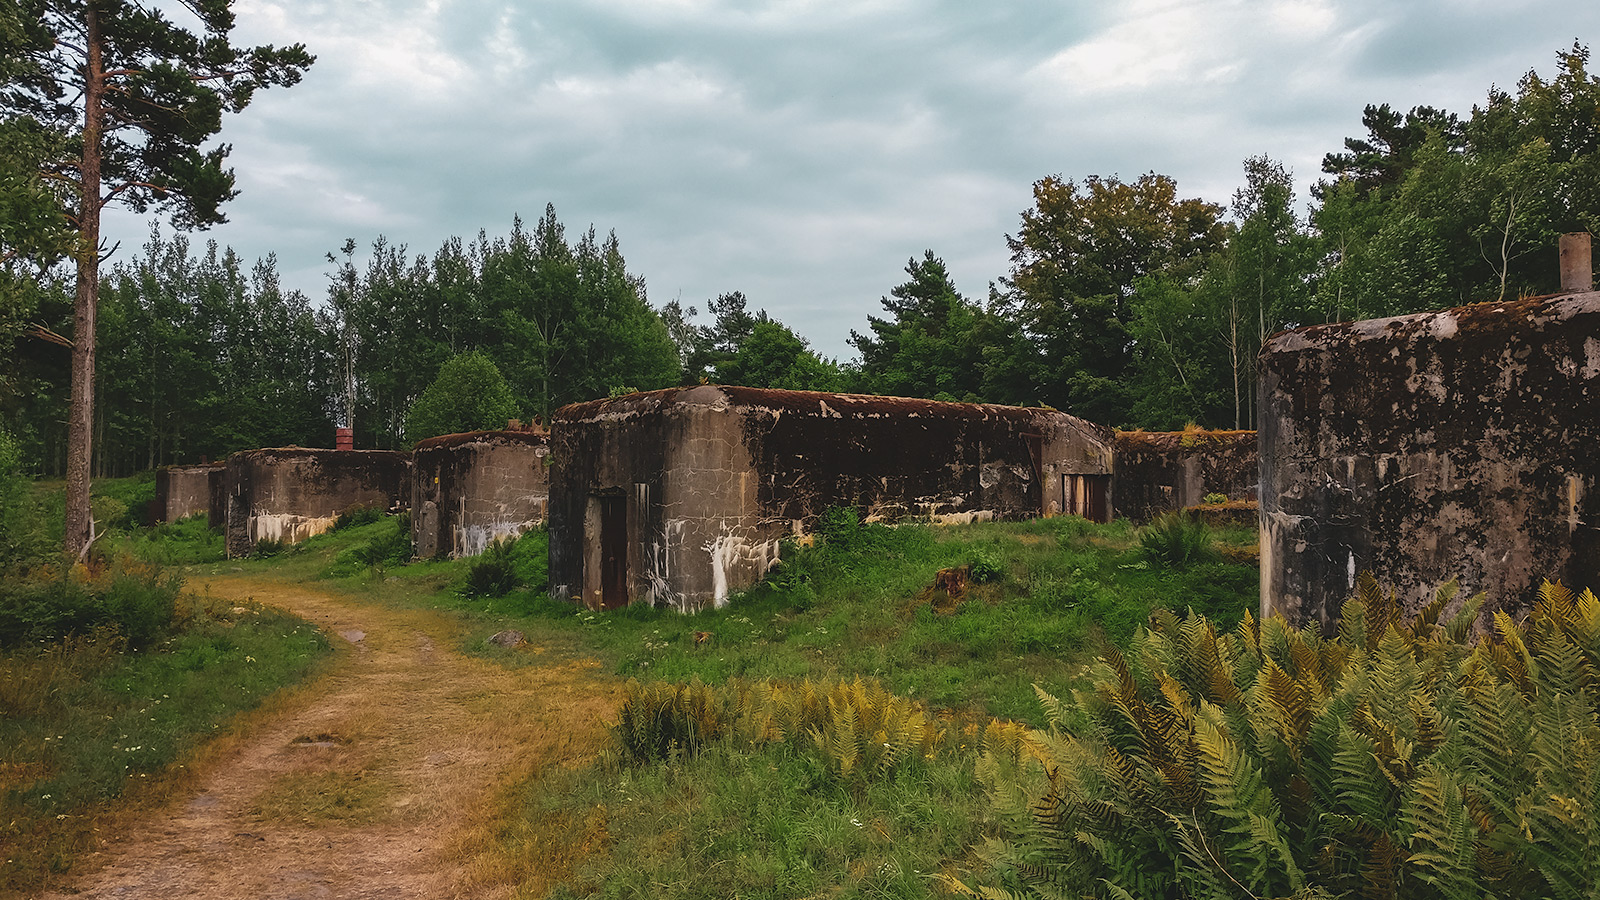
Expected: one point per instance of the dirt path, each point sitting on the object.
(362, 788)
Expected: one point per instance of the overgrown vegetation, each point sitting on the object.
(863, 601)
(1401, 758)
(86, 718)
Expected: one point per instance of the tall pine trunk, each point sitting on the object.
(80, 416)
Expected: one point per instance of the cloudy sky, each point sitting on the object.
(802, 150)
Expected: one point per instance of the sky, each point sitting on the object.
(802, 151)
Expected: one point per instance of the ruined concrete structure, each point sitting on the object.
(1162, 471)
(1463, 443)
(183, 491)
(679, 497)
(470, 489)
(293, 493)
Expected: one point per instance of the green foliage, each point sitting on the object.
(13, 497)
(1399, 759)
(184, 542)
(132, 598)
(492, 573)
(938, 344)
(469, 395)
(857, 729)
(1177, 540)
(530, 560)
(388, 543)
(90, 718)
(986, 566)
(266, 548)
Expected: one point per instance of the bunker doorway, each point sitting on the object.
(613, 550)
(1088, 496)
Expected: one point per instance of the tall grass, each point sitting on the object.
(84, 721)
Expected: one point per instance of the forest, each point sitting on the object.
(1125, 302)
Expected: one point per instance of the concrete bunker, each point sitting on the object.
(1463, 444)
(680, 497)
(1169, 470)
(292, 493)
(470, 489)
(183, 491)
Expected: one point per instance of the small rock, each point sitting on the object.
(509, 638)
(353, 635)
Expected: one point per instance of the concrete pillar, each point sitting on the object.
(1577, 269)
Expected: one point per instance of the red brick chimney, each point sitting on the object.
(344, 440)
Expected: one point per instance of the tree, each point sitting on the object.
(938, 344)
(1074, 264)
(773, 356)
(135, 98)
(470, 394)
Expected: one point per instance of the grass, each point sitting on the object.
(864, 605)
(112, 681)
(777, 819)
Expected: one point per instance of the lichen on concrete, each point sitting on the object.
(1462, 444)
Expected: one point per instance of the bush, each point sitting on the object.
(530, 560)
(13, 494)
(1177, 540)
(492, 573)
(469, 394)
(356, 516)
(390, 545)
(1399, 759)
(137, 599)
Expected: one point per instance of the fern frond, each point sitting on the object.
(1443, 836)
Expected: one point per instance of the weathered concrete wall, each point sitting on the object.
(710, 479)
(1162, 471)
(470, 489)
(293, 493)
(183, 491)
(1463, 443)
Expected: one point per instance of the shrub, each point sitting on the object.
(358, 515)
(1399, 759)
(13, 493)
(266, 548)
(492, 573)
(985, 566)
(857, 728)
(390, 545)
(1177, 540)
(136, 599)
(530, 560)
(469, 394)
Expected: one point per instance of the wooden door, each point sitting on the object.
(613, 551)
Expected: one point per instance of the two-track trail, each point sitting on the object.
(367, 784)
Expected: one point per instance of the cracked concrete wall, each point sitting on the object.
(292, 493)
(470, 489)
(183, 491)
(714, 478)
(1462, 443)
(1162, 471)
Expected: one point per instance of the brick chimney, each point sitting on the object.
(344, 440)
(1577, 268)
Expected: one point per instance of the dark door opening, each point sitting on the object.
(1088, 496)
(613, 551)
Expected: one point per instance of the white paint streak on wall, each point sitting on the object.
(472, 540)
(730, 551)
(1591, 355)
(289, 529)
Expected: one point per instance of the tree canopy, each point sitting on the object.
(123, 103)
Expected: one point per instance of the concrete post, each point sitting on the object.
(1577, 269)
